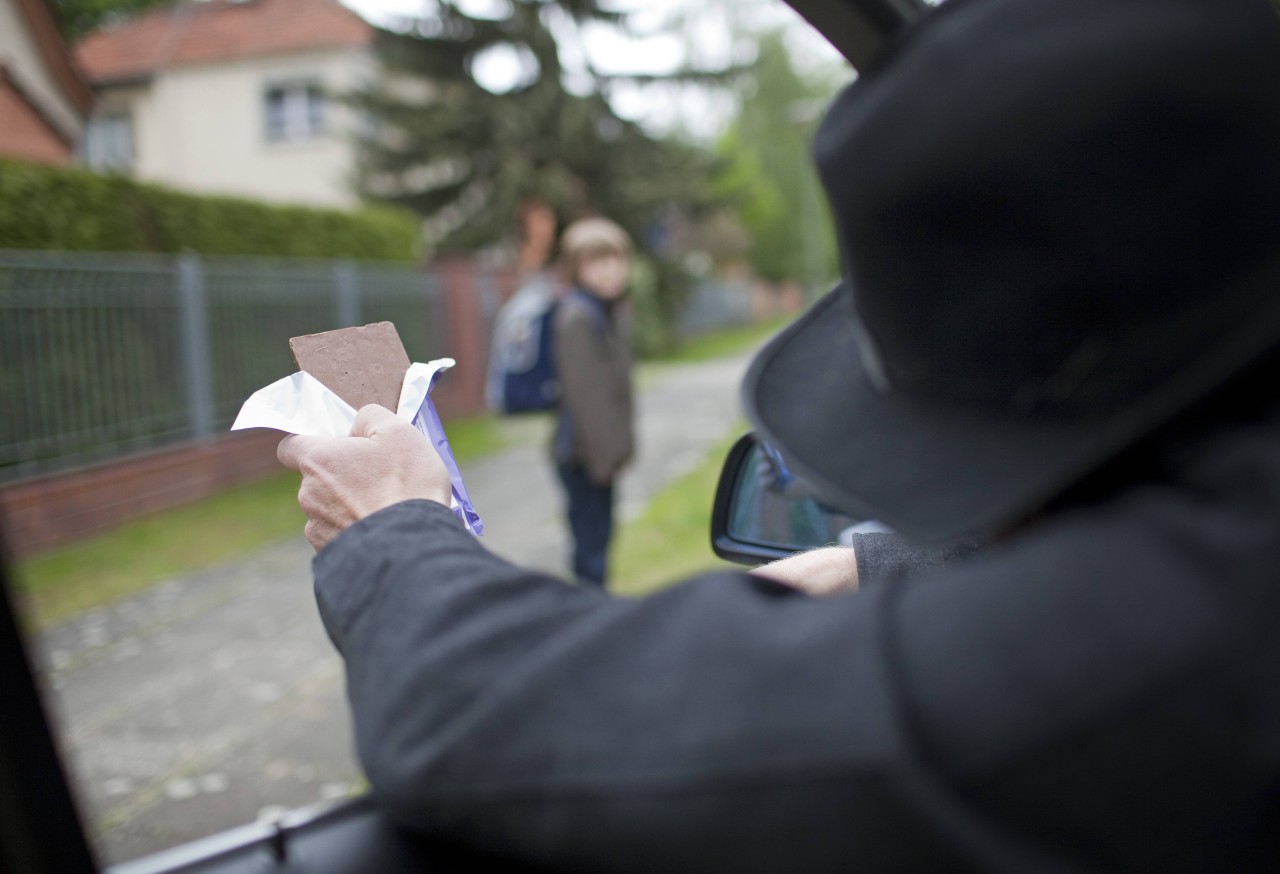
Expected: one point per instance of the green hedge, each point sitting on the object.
(76, 209)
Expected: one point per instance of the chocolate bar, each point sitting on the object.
(363, 365)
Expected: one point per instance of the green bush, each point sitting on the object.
(76, 209)
(659, 289)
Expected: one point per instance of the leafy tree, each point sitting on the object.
(768, 171)
(78, 18)
(466, 157)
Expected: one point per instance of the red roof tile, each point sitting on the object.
(204, 31)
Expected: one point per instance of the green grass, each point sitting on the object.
(671, 538)
(475, 437)
(721, 344)
(58, 584)
(61, 583)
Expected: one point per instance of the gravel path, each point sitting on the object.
(208, 701)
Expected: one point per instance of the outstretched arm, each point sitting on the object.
(728, 723)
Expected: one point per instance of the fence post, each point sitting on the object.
(195, 345)
(346, 294)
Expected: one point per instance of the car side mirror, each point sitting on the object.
(762, 513)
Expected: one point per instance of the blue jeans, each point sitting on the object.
(590, 521)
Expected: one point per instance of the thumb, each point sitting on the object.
(373, 419)
(294, 448)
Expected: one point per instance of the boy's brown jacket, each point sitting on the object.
(592, 350)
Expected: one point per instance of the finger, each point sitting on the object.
(317, 534)
(311, 496)
(291, 449)
(373, 418)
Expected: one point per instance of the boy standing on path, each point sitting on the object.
(593, 437)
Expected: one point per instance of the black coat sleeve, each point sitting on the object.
(970, 720)
(884, 557)
(559, 724)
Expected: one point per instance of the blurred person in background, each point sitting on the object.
(593, 438)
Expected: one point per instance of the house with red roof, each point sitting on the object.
(43, 97)
(231, 97)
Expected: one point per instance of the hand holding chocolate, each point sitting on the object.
(344, 370)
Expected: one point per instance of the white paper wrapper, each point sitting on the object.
(301, 404)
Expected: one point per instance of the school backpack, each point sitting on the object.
(522, 372)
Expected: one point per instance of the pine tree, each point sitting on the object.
(465, 158)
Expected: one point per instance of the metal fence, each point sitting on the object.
(105, 354)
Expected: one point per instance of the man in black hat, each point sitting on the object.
(1058, 330)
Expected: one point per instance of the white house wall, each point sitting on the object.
(21, 56)
(202, 128)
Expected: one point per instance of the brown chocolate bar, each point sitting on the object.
(360, 365)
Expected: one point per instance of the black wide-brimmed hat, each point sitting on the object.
(1061, 228)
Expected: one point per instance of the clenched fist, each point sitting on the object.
(384, 461)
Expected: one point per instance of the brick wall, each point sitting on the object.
(50, 511)
(460, 392)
